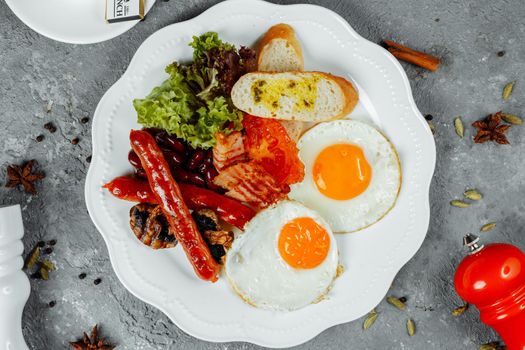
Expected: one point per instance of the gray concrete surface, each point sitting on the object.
(467, 34)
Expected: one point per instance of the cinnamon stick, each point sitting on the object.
(418, 58)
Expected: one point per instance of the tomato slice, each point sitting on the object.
(268, 143)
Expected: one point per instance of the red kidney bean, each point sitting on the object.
(206, 163)
(140, 173)
(209, 175)
(134, 160)
(201, 169)
(180, 158)
(189, 151)
(188, 177)
(161, 139)
(211, 172)
(171, 142)
(209, 156)
(177, 144)
(174, 159)
(196, 159)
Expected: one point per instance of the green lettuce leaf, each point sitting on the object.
(174, 107)
(202, 81)
(206, 43)
(193, 103)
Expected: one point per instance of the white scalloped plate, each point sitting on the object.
(71, 21)
(166, 280)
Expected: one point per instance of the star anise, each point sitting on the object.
(489, 129)
(23, 175)
(91, 343)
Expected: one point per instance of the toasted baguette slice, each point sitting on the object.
(279, 50)
(303, 96)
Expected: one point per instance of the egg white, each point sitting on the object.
(261, 277)
(381, 194)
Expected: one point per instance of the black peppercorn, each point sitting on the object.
(52, 303)
(50, 127)
(75, 141)
(97, 281)
(52, 242)
(88, 159)
(40, 138)
(82, 275)
(84, 120)
(501, 53)
(48, 250)
(403, 299)
(429, 117)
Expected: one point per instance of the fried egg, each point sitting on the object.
(352, 174)
(286, 258)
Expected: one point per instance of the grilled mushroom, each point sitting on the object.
(218, 240)
(150, 226)
(138, 215)
(206, 220)
(221, 237)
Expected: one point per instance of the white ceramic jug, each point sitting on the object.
(14, 284)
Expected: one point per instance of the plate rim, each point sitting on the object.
(64, 38)
(245, 337)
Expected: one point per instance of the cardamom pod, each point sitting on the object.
(511, 119)
(411, 327)
(32, 258)
(48, 265)
(49, 106)
(44, 273)
(490, 346)
(458, 125)
(432, 128)
(460, 310)
(507, 90)
(487, 227)
(396, 302)
(473, 194)
(459, 204)
(370, 320)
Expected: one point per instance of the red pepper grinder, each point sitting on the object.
(492, 277)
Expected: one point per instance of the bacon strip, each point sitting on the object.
(228, 150)
(249, 182)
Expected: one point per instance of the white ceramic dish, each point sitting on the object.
(70, 21)
(371, 257)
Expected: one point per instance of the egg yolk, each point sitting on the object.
(341, 171)
(303, 243)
